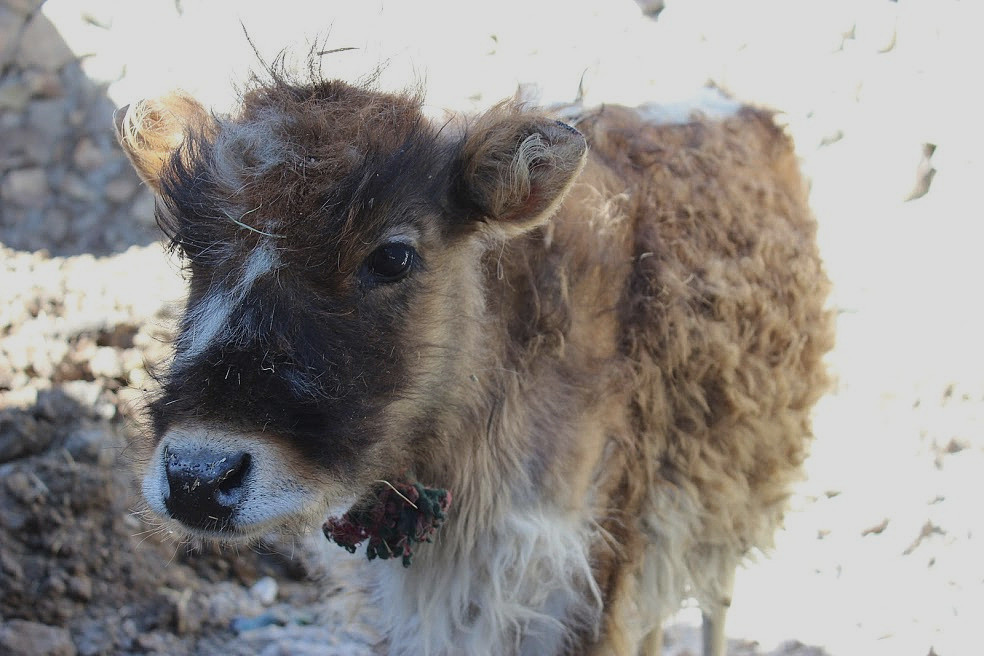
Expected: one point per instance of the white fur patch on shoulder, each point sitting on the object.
(708, 102)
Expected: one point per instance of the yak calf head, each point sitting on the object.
(333, 238)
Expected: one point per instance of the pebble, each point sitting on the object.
(50, 116)
(22, 394)
(10, 25)
(14, 95)
(13, 519)
(21, 436)
(84, 392)
(23, 638)
(106, 362)
(43, 84)
(55, 404)
(91, 444)
(56, 222)
(42, 47)
(80, 587)
(10, 566)
(79, 189)
(121, 189)
(87, 155)
(265, 590)
(242, 624)
(159, 643)
(25, 187)
(24, 7)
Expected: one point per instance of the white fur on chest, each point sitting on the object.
(523, 588)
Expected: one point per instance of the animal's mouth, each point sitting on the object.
(235, 530)
(216, 484)
(228, 534)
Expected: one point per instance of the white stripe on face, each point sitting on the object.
(208, 322)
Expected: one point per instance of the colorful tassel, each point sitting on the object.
(398, 517)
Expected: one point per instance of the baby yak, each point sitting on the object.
(602, 336)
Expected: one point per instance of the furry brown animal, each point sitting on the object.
(606, 341)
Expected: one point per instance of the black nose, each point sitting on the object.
(204, 486)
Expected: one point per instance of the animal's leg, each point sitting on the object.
(714, 614)
(652, 644)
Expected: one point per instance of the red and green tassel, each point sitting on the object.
(395, 519)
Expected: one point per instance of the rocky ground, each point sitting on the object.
(881, 554)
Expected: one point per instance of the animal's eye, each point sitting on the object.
(390, 262)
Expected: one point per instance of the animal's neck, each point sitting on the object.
(524, 588)
(509, 572)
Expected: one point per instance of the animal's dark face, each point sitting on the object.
(333, 238)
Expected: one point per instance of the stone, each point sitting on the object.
(10, 121)
(14, 95)
(49, 116)
(85, 393)
(24, 7)
(21, 436)
(21, 394)
(121, 189)
(242, 624)
(651, 8)
(92, 445)
(43, 84)
(25, 187)
(23, 638)
(265, 590)
(87, 156)
(105, 410)
(56, 224)
(106, 362)
(42, 47)
(10, 567)
(13, 519)
(25, 147)
(158, 643)
(67, 401)
(79, 189)
(10, 24)
(80, 587)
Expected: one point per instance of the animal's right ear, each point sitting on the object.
(150, 131)
(516, 167)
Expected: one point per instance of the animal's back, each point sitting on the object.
(719, 331)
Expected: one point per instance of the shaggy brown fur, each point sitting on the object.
(614, 353)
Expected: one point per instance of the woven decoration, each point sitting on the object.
(398, 517)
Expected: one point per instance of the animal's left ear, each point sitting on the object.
(516, 168)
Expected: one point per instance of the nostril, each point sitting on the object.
(204, 487)
(236, 469)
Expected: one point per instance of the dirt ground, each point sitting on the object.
(881, 553)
